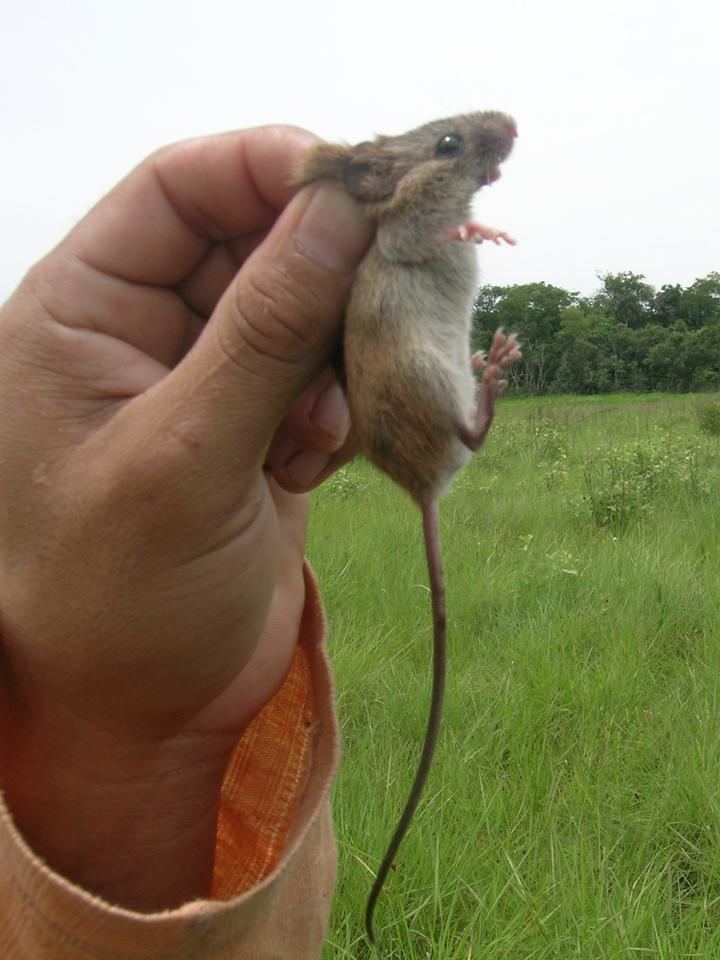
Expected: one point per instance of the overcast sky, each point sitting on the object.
(617, 104)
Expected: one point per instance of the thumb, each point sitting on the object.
(273, 330)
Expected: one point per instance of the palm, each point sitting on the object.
(159, 405)
(223, 563)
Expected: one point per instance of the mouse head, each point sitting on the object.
(462, 153)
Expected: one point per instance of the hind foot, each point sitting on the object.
(504, 350)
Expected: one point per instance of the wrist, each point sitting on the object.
(133, 822)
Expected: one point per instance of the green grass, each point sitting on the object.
(574, 807)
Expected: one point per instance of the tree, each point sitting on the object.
(580, 357)
(625, 337)
(666, 306)
(485, 315)
(626, 297)
(700, 303)
(533, 311)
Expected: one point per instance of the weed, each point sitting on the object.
(573, 808)
(708, 416)
(623, 483)
(346, 482)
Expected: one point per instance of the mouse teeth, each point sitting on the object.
(491, 175)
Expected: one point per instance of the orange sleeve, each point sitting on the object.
(275, 859)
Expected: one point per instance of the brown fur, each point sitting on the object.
(409, 384)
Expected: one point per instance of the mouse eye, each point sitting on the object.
(449, 145)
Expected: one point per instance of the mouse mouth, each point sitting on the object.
(494, 142)
(491, 175)
(490, 170)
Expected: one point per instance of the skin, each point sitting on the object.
(416, 411)
(165, 391)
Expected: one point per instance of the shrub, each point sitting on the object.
(708, 414)
(621, 483)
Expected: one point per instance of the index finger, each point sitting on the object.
(158, 222)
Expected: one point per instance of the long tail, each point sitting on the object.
(431, 531)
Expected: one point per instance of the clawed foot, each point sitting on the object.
(477, 232)
(504, 350)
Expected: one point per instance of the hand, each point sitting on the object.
(158, 405)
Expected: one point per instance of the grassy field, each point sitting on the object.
(574, 807)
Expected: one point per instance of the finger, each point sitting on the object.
(159, 222)
(315, 428)
(273, 331)
(319, 420)
(159, 227)
(202, 288)
(348, 452)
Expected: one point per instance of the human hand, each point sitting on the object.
(151, 577)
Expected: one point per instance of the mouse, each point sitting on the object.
(420, 403)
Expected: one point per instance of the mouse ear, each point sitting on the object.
(369, 177)
(325, 161)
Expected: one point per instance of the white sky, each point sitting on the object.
(617, 104)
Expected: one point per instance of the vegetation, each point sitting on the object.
(628, 336)
(574, 809)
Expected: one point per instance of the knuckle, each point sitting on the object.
(269, 320)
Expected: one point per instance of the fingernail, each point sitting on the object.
(333, 230)
(305, 467)
(331, 413)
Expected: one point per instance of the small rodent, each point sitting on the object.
(415, 406)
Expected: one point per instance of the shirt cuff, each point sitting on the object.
(275, 861)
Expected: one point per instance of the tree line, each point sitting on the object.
(627, 336)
